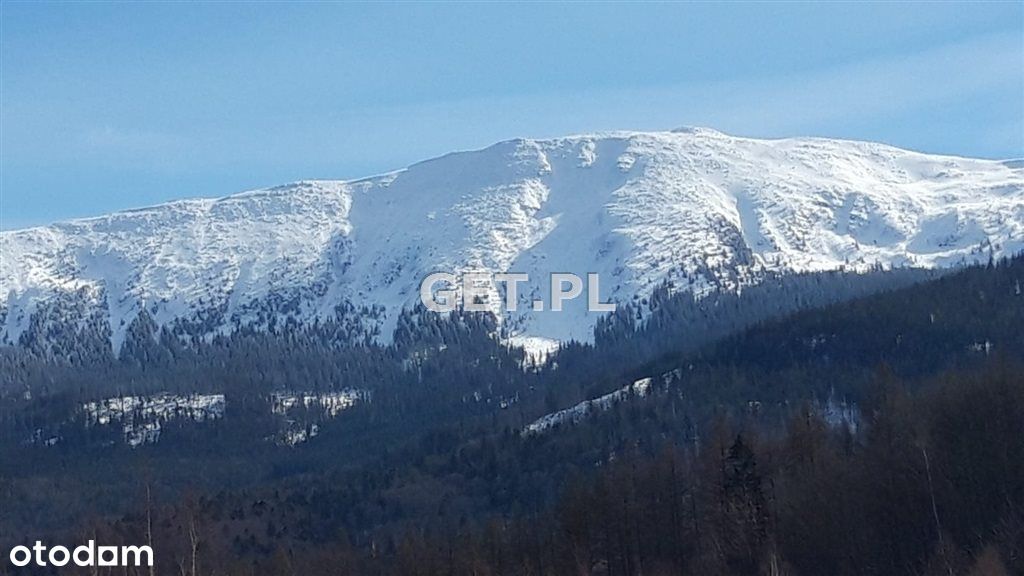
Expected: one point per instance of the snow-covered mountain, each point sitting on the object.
(694, 207)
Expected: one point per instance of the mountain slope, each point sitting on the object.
(694, 207)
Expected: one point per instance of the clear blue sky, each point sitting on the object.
(110, 106)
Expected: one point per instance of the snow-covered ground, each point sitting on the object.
(331, 404)
(141, 417)
(575, 414)
(695, 207)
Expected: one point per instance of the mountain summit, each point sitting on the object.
(693, 207)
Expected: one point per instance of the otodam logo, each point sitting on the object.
(86, 555)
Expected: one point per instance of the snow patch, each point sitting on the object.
(580, 411)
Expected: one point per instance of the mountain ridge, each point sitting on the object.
(696, 209)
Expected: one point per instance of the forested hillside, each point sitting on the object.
(877, 435)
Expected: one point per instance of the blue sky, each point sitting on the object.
(111, 106)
